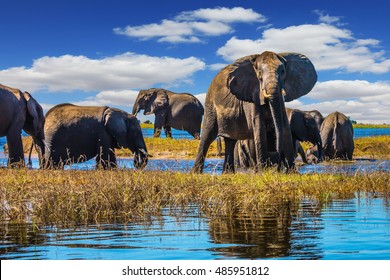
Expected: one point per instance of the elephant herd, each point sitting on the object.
(245, 106)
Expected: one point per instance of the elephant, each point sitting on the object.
(79, 133)
(20, 111)
(242, 94)
(317, 117)
(181, 111)
(337, 138)
(303, 128)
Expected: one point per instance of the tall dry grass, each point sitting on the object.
(71, 198)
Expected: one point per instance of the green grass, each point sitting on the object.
(373, 147)
(71, 198)
(173, 148)
(147, 125)
(360, 125)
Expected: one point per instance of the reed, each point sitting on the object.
(74, 197)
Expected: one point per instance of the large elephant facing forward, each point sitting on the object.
(241, 95)
(181, 111)
(337, 138)
(20, 111)
(79, 133)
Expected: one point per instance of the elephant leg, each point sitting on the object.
(260, 137)
(228, 164)
(106, 159)
(288, 155)
(210, 132)
(195, 134)
(159, 124)
(157, 132)
(168, 131)
(15, 149)
(219, 145)
(301, 152)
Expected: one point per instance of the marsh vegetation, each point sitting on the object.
(75, 197)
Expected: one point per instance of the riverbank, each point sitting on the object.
(164, 148)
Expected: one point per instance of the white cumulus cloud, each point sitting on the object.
(120, 72)
(190, 26)
(329, 47)
(363, 101)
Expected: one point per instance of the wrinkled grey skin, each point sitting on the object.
(337, 138)
(181, 111)
(20, 111)
(303, 128)
(241, 95)
(79, 133)
(317, 117)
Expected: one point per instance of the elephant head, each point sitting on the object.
(34, 123)
(151, 101)
(313, 135)
(126, 131)
(270, 79)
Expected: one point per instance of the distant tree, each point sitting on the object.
(148, 122)
(352, 121)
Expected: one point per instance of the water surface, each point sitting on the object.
(356, 228)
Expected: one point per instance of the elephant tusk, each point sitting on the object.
(145, 153)
(265, 94)
(135, 114)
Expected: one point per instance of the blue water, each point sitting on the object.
(180, 134)
(369, 132)
(356, 228)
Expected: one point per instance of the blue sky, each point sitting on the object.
(103, 52)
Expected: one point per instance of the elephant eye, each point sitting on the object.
(283, 72)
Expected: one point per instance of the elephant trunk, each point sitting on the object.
(277, 116)
(135, 108)
(141, 155)
(320, 151)
(40, 145)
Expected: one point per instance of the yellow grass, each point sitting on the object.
(372, 147)
(74, 197)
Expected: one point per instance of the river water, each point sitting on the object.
(354, 228)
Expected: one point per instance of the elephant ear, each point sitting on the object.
(116, 125)
(242, 79)
(35, 112)
(301, 75)
(158, 101)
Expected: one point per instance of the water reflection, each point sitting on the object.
(268, 236)
(356, 228)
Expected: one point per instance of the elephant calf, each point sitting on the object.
(181, 111)
(337, 138)
(304, 128)
(79, 133)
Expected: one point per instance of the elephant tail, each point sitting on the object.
(337, 136)
(29, 163)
